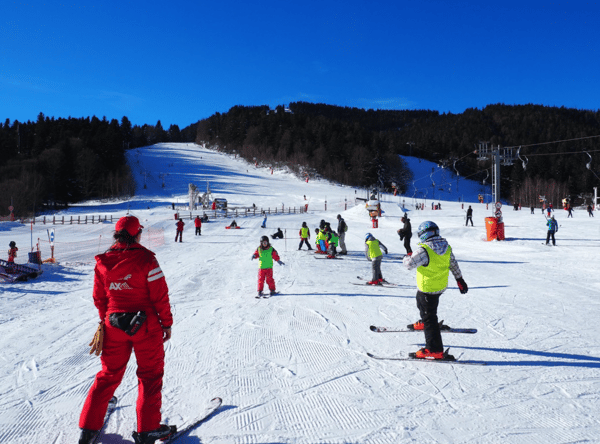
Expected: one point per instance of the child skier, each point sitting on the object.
(266, 254)
(304, 236)
(552, 228)
(373, 252)
(433, 260)
(12, 253)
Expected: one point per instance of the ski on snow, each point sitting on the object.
(266, 295)
(440, 361)
(443, 329)
(112, 406)
(383, 284)
(210, 409)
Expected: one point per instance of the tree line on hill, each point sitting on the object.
(57, 161)
(360, 147)
(52, 162)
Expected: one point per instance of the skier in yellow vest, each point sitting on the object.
(434, 261)
(373, 252)
(304, 236)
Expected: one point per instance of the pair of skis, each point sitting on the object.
(208, 411)
(383, 284)
(448, 359)
(266, 295)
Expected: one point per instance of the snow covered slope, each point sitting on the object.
(293, 368)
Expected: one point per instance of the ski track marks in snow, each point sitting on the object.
(293, 368)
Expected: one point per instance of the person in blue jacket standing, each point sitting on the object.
(552, 228)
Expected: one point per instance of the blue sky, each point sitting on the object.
(181, 61)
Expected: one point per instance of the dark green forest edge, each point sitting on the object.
(53, 162)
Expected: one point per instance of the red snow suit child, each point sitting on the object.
(198, 225)
(179, 233)
(266, 254)
(12, 253)
(128, 280)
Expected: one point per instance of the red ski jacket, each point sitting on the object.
(180, 225)
(127, 279)
(197, 222)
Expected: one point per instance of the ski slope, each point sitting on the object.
(293, 368)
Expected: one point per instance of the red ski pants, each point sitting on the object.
(147, 345)
(265, 273)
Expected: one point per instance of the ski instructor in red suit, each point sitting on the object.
(132, 298)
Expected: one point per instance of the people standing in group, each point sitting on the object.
(179, 234)
(405, 233)
(469, 216)
(341, 231)
(373, 253)
(590, 211)
(198, 225)
(12, 252)
(266, 254)
(434, 260)
(552, 229)
(304, 236)
(130, 292)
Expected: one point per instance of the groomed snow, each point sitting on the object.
(293, 368)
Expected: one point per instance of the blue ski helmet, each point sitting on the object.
(428, 229)
(367, 236)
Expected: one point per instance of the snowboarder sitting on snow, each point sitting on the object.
(304, 236)
(405, 233)
(373, 252)
(12, 253)
(233, 224)
(278, 234)
(266, 254)
(552, 228)
(434, 261)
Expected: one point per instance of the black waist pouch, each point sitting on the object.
(130, 323)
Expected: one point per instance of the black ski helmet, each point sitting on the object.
(264, 238)
(12, 244)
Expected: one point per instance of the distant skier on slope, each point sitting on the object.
(405, 233)
(198, 225)
(266, 254)
(304, 236)
(179, 234)
(433, 260)
(341, 230)
(12, 252)
(373, 252)
(552, 228)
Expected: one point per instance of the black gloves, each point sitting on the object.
(462, 285)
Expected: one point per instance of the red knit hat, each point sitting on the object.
(129, 223)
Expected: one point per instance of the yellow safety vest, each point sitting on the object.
(434, 277)
(265, 257)
(374, 250)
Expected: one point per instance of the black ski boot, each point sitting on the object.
(88, 436)
(163, 432)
